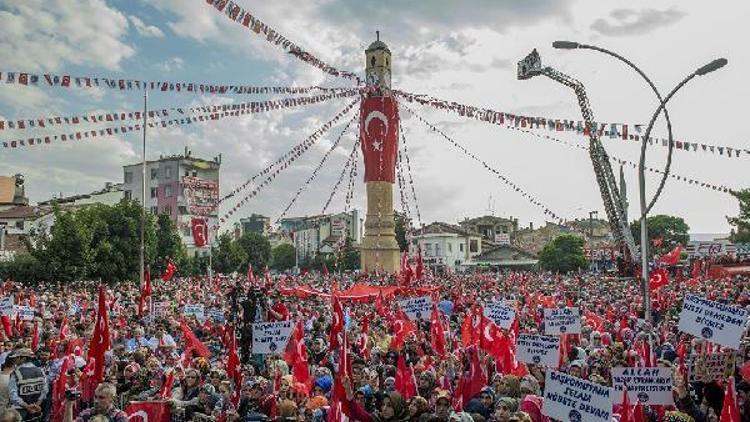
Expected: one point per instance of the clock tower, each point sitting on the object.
(378, 67)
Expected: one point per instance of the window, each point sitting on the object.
(128, 177)
(428, 249)
(128, 194)
(167, 191)
(167, 210)
(154, 174)
(154, 210)
(437, 249)
(195, 173)
(460, 247)
(450, 247)
(473, 246)
(182, 210)
(154, 192)
(167, 172)
(19, 224)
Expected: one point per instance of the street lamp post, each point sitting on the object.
(646, 206)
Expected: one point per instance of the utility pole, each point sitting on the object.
(143, 190)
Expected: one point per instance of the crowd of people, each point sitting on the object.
(374, 365)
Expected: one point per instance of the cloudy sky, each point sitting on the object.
(461, 51)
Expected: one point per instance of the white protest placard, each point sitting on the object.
(160, 309)
(6, 306)
(562, 321)
(417, 307)
(538, 349)
(716, 322)
(24, 312)
(649, 386)
(711, 366)
(271, 337)
(216, 313)
(500, 313)
(568, 398)
(196, 310)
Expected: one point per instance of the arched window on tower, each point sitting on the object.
(372, 60)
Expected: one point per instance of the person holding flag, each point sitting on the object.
(104, 399)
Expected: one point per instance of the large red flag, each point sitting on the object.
(658, 279)
(437, 337)
(148, 411)
(406, 272)
(673, 257)
(99, 340)
(169, 271)
(730, 411)
(626, 414)
(402, 329)
(145, 290)
(406, 384)
(476, 378)
(419, 270)
(250, 274)
(234, 371)
(296, 355)
(58, 391)
(337, 322)
(166, 387)
(192, 342)
(200, 231)
(339, 403)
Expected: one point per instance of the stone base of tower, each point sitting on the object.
(379, 250)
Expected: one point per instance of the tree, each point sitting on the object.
(258, 250)
(24, 268)
(742, 221)
(563, 254)
(350, 256)
(283, 257)
(65, 251)
(228, 255)
(672, 230)
(402, 224)
(169, 245)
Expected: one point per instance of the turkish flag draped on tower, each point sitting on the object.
(379, 127)
(200, 231)
(99, 340)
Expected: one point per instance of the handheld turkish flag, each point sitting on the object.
(234, 371)
(437, 337)
(337, 324)
(406, 384)
(145, 290)
(35, 337)
(166, 387)
(169, 271)
(659, 278)
(339, 403)
(192, 342)
(58, 391)
(626, 414)
(99, 340)
(324, 270)
(250, 274)
(402, 328)
(419, 269)
(730, 411)
(406, 272)
(673, 257)
(296, 355)
(148, 411)
(200, 231)
(476, 378)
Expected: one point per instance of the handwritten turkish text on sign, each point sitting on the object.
(216, 314)
(538, 349)
(196, 310)
(6, 306)
(716, 322)
(161, 309)
(711, 366)
(501, 314)
(562, 321)
(417, 307)
(271, 337)
(650, 386)
(568, 398)
(25, 313)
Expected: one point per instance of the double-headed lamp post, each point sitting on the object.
(646, 206)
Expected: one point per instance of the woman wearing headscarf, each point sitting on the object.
(392, 409)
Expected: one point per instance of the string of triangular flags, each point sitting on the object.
(314, 174)
(686, 179)
(284, 162)
(238, 14)
(231, 110)
(253, 107)
(68, 81)
(409, 173)
(504, 179)
(347, 165)
(605, 130)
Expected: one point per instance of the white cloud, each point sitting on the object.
(40, 35)
(636, 22)
(174, 63)
(144, 30)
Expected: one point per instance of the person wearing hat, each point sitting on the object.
(27, 386)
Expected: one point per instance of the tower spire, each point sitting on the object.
(377, 35)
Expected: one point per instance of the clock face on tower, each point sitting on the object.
(373, 79)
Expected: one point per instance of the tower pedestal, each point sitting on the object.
(379, 250)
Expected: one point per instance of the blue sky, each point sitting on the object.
(460, 51)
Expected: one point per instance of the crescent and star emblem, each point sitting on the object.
(376, 114)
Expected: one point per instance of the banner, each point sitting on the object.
(538, 350)
(649, 386)
(699, 249)
(378, 134)
(271, 337)
(196, 310)
(562, 321)
(216, 314)
(148, 411)
(161, 309)
(500, 313)
(711, 366)
(7, 306)
(199, 228)
(568, 398)
(24, 312)
(716, 322)
(417, 308)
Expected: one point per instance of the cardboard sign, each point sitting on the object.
(161, 309)
(538, 349)
(271, 337)
(500, 313)
(711, 366)
(716, 322)
(649, 386)
(568, 398)
(216, 314)
(417, 307)
(25, 313)
(562, 321)
(196, 310)
(6, 306)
